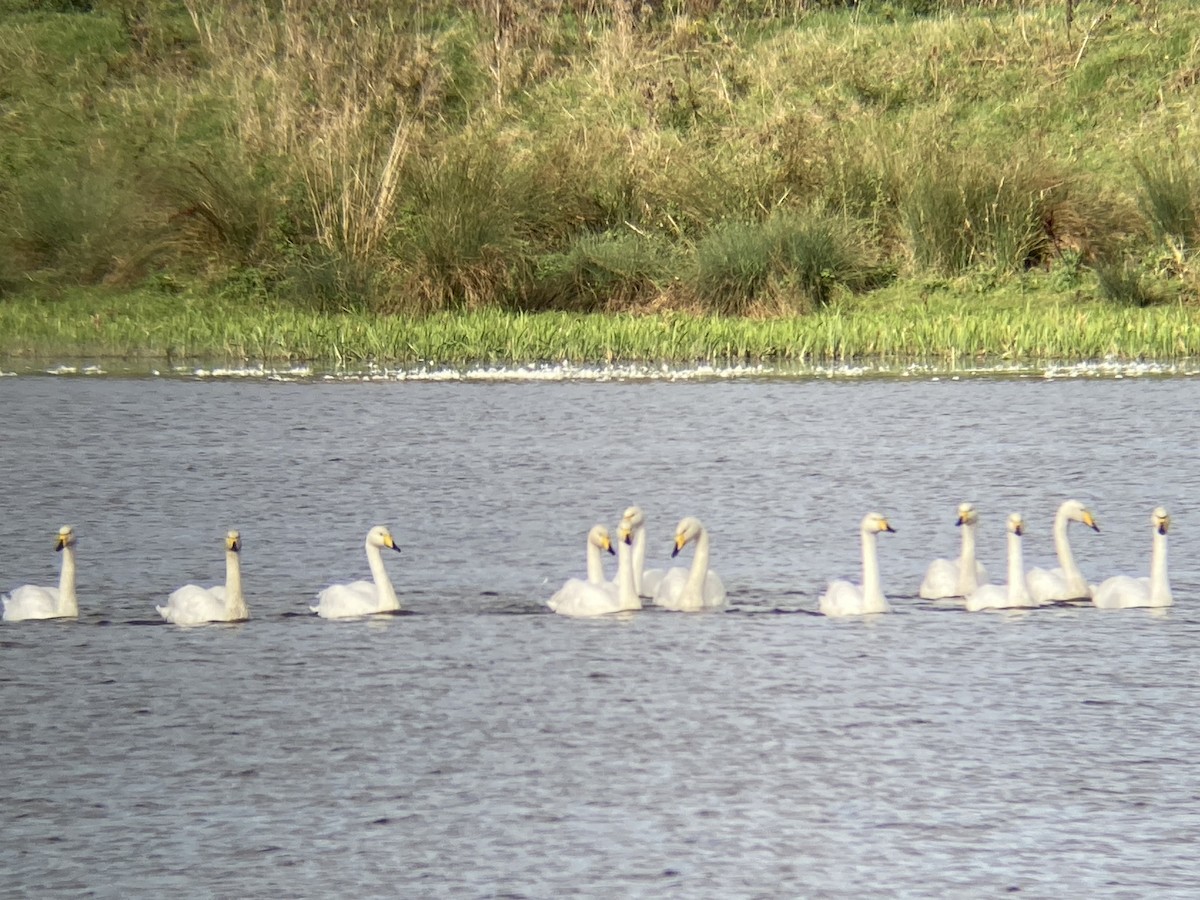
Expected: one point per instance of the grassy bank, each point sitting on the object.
(1026, 326)
(322, 166)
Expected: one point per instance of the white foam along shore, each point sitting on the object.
(622, 372)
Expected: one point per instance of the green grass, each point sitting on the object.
(771, 158)
(943, 326)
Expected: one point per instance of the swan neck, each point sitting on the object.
(383, 584)
(595, 568)
(1160, 586)
(1066, 559)
(1018, 590)
(627, 594)
(68, 605)
(639, 557)
(966, 560)
(699, 570)
(871, 586)
(235, 601)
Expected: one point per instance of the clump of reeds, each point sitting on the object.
(612, 270)
(1169, 197)
(969, 211)
(797, 259)
(81, 224)
(1120, 282)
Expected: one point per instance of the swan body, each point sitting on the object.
(1065, 582)
(645, 580)
(195, 605)
(842, 598)
(1125, 592)
(363, 598)
(695, 588)
(1016, 593)
(959, 577)
(30, 601)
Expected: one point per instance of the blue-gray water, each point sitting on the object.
(479, 746)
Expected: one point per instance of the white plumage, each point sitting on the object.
(363, 598)
(195, 605)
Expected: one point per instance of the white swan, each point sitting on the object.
(959, 577)
(592, 597)
(695, 588)
(608, 596)
(1065, 582)
(1124, 592)
(843, 598)
(1016, 593)
(29, 601)
(194, 605)
(362, 598)
(646, 580)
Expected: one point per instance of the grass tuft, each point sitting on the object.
(1169, 197)
(611, 270)
(1121, 283)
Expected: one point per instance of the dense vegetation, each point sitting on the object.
(769, 158)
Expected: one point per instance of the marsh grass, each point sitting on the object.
(614, 269)
(1169, 197)
(946, 330)
(84, 224)
(799, 259)
(772, 157)
(463, 228)
(1120, 282)
(968, 211)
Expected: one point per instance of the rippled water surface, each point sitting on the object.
(478, 745)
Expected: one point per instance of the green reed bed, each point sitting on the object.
(953, 331)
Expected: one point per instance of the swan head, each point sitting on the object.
(599, 537)
(874, 523)
(1161, 520)
(1077, 512)
(233, 541)
(66, 538)
(625, 531)
(379, 536)
(689, 529)
(634, 516)
(967, 514)
(1016, 524)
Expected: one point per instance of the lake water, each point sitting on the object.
(479, 746)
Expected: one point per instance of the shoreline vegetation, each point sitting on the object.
(949, 332)
(598, 181)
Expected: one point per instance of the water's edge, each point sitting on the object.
(599, 372)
